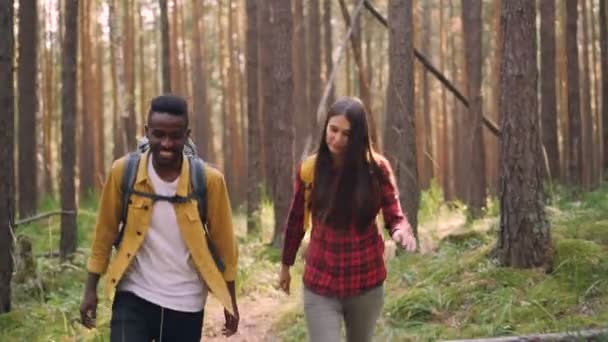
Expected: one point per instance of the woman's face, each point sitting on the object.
(337, 134)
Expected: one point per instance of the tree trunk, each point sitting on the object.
(400, 131)
(266, 64)
(49, 105)
(327, 41)
(575, 162)
(300, 77)
(119, 147)
(562, 65)
(201, 114)
(128, 119)
(7, 145)
(604, 65)
(86, 160)
(471, 20)
(597, 121)
(586, 114)
(28, 72)
(122, 100)
(315, 88)
(233, 127)
(99, 96)
(254, 166)
(427, 158)
(524, 239)
(68, 129)
(548, 91)
(166, 56)
(364, 89)
(280, 106)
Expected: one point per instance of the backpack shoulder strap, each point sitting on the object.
(307, 174)
(128, 180)
(199, 185)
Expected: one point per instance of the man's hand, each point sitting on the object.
(404, 236)
(284, 278)
(88, 308)
(232, 322)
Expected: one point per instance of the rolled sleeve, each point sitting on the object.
(220, 222)
(108, 219)
(294, 227)
(391, 208)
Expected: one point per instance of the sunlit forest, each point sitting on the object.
(492, 113)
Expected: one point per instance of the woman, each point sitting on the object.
(345, 267)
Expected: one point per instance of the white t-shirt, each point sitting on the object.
(162, 271)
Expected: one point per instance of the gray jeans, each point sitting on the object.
(324, 315)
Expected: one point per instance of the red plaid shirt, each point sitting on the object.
(342, 263)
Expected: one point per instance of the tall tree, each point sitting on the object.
(400, 131)
(128, 54)
(202, 114)
(280, 106)
(68, 128)
(327, 45)
(315, 87)
(254, 167)
(575, 161)
(86, 163)
(604, 65)
(524, 239)
(548, 91)
(7, 145)
(166, 60)
(427, 157)
(471, 23)
(28, 72)
(586, 114)
(300, 77)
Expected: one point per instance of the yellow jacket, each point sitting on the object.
(190, 226)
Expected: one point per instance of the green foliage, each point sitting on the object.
(431, 201)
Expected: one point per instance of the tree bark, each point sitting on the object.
(300, 78)
(7, 145)
(548, 107)
(471, 20)
(328, 46)
(400, 131)
(280, 106)
(67, 244)
(575, 161)
(314, 64)
(586, 114)
(604, 65)
(28, 100)
(524, 239)
(166, 56)
(86, 162)
(254, 166)
(202, 116)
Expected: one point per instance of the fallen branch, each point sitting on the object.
(583, 335)
(44, 215)
(491, 125)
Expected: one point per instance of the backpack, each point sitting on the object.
(198, 184)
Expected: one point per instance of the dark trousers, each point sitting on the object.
(134, 319)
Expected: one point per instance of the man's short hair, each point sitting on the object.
(170, 104)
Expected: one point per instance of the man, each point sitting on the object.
(163, 268)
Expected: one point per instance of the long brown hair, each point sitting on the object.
(350, 194)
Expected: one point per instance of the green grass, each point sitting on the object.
(459, 291)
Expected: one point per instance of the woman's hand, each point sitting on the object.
(404, 236)
(284, 278)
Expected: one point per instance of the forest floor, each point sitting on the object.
(453, 288)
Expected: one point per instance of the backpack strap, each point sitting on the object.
(198, 178)
(126, 186)
(307, 173)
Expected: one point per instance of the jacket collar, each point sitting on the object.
(184, 176)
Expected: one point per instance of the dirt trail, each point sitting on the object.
(257, 315)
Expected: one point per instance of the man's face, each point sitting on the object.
(167, 134)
